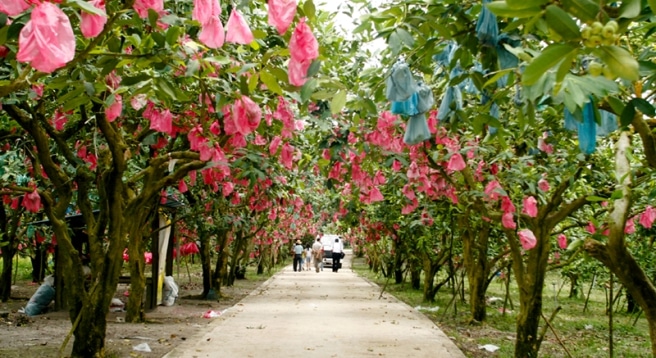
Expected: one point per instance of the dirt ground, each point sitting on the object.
(42, 335)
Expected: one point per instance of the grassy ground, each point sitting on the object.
(583, 334)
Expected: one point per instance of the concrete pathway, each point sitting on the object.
(326, 314)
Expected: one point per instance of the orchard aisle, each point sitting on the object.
(325, 314)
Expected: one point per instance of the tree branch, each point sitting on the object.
(648, 142)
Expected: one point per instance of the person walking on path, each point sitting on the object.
(298, 253)
(317, 254)
(308, 257)
(338, 251)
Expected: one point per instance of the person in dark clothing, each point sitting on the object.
(338, 249)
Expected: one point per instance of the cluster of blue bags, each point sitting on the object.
(410, 98)
(587, 128)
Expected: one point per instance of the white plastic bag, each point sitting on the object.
(489, 347)
(169, 291)
(142, 347)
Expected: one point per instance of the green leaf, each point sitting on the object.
(643, 106)
(565, 66)
(270, 81)
(525, 3)
(3, 33)
(243, 69)
(86, 7)
(75, 103)
(652, 5)
(309, 9)
(584, 10)
(562, 23)
(394, 42)
(89, 89)
(405, 37)
(576, 90)
(192, 68)
(630, 9)
(314, 68)
(575, 244)
(252, 82)
(616, 104)
(627, 115)
(369, 106)
(130, 81)
(173, 34)
(496, 77)
(593, 198)
(153, 16)
(477, 78)
(108, 66)
(549, 58)
(520, 10)
(219, 60)
(617, 194)
(307, 89)
(280, 74)
(338, 102)
(619, 61)
(75, 92)
(322, 95)
(14, 29)
(166, 88)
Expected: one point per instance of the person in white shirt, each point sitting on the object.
(308, 257)
(338, 250)
(317, 254)
(298, 253)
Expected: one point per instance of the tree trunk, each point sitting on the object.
(574, 287)
(477, 289)
(475, 252)
(90, 333)
(530, 278)
(415, 277)
(527, 343)
(206, 263)
(632, 276)
(8, 227)
(221, 262)
(398, 262)
(260, 267)
(7, 267)
(39, 263)
(141, 225)
(88, 308)
(429, 278)
(238, 246)
(615, 254)
(135, 310)
(631, 306)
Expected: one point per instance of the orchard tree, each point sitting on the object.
(196, 96)
(512, 78)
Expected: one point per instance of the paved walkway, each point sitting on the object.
(308, 314)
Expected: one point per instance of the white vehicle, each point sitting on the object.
(328, 241)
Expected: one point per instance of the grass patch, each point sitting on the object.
(22, 269)
(585, 334)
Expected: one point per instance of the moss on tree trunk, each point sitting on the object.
(475, 254)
